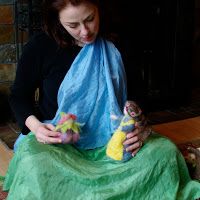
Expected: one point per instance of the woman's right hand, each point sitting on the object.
(44, 133)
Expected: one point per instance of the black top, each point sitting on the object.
(42, 65)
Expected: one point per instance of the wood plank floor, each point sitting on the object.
(181, 131)
(5, 156)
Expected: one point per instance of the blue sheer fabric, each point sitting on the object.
(17, 142)
(94, 89)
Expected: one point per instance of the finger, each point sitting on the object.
(135, 151)
(134, 146)
(50, 127)
(52, 134)
(45, 131)
(131, 140)
(52, 140)
(132, 134)
(52, 131)
(44, 135)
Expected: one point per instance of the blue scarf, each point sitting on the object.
(94, 89)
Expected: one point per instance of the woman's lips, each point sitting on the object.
(88, 39)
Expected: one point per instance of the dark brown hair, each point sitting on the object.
(51, 22)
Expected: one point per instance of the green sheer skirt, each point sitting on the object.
(61, 172)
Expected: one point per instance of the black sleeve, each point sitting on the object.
(22, 97)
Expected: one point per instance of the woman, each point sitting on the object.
(86, 72)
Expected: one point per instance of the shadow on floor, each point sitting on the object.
(180, 113)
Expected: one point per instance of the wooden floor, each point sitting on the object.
(182, 131)
(5, 156)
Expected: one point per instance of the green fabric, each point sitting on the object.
(2, 178)
(61, 172)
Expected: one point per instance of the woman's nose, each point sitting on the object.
(84, 30)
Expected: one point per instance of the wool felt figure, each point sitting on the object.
(69, 128)
(115, 148)
(191, 154)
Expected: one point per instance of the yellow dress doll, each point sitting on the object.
(115, 148)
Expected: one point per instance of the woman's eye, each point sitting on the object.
(90, 19)
(72, 26)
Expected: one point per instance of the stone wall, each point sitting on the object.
(19, 20)
(7, 55)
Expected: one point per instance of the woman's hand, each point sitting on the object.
(135, 139)
(44, 133)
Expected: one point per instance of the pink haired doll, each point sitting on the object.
(69, 128)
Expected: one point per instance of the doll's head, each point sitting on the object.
(132, 109)
(66, 117)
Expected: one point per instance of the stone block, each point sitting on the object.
(7, 72)
(8, 53)
(5, 89)
(6, 14)
(7, 34)
(4, 2)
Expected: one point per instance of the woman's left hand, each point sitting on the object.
(134, 140)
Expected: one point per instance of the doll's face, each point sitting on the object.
(81, 22)
(132, 109)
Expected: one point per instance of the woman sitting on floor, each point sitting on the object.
(72, 60)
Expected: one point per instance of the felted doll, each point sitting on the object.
(191, 154)
(69, 128)
(115, 148)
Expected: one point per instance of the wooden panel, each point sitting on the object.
(182, 131)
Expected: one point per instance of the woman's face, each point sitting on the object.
(81, 22)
